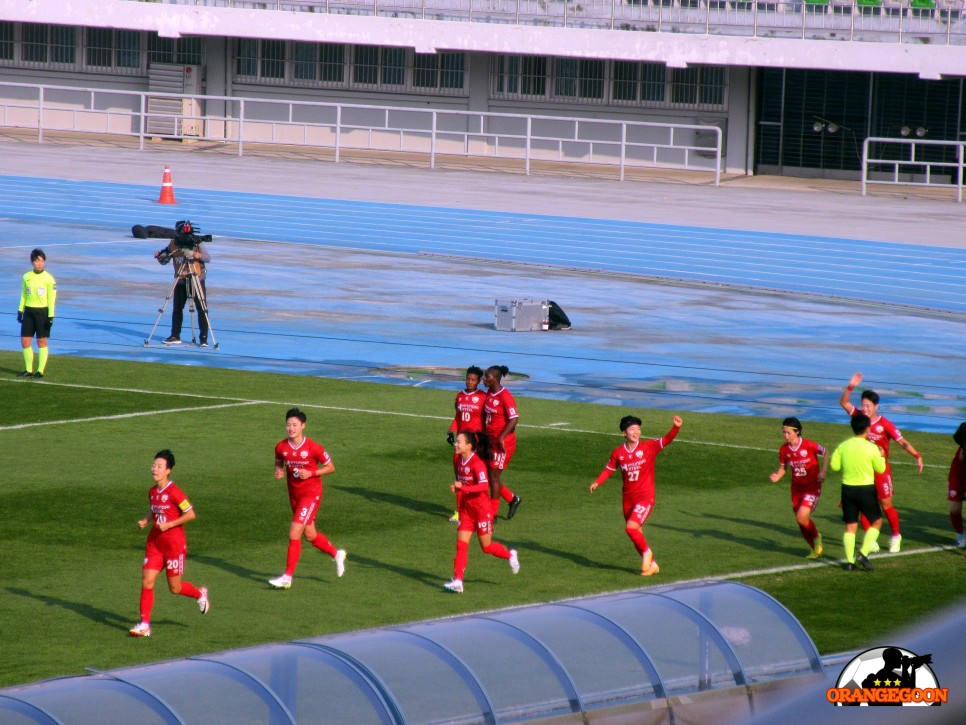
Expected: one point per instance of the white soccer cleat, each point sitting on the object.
(895, 543)
(514, 561)
(651, 570)
(281, 582)
(203, 604)
(961, 541)
(874, 549)
(340, 562)
(141, 629)
(454, 585)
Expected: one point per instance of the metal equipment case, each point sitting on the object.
(522, 315)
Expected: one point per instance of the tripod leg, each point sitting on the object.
(203, 310)
(147, 343)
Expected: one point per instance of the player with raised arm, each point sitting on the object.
(476, 510)
(167, 545)
(880, 432)
(635, 459)
(801, 455)
(469, 415)
(303, 462)
(500, 410)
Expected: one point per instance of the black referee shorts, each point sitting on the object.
(34, 323)
(860, 500)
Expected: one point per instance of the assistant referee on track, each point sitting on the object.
(38, 296)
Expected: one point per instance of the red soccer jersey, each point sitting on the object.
(469, 412)
(957, 470)
(881, 432)
(637, 466)
(308, 454)
(167, 504)
(803, 460)
(500, 409)
(471, 474)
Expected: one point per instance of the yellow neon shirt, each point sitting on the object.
(859, 459)
(38, 290)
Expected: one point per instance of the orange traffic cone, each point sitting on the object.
(167, 188)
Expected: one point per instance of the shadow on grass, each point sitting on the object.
(526, 545)
(101, 616)
(729, 534)
(417, 505)
(423, 577)
(240, 571)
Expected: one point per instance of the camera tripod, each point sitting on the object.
(195, 290)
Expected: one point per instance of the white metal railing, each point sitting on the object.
(342, 126)
(907, 162)
(914, 21)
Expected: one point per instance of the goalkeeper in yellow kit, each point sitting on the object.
(38, 296)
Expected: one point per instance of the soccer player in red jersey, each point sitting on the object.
(635, 458)
(801, 456)
(957, 485)
(166, 545)
(476, 510)
(880, 433)
(303, 462)
(501, 422)
(469, 415)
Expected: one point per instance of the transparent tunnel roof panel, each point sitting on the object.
(606, 665)
(685, 649)
(206, 693)
(95, 700)
(429, 683)
(310, 681)
(768, 641)
(513, 671)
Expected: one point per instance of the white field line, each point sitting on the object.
(121, 416)
(255, 401)
(658, 588)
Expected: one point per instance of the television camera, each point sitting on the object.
(186, 239)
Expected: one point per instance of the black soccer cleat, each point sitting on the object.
(863, 561)
(39, 375)
(514, 505)
(849, 566)
(25, 374)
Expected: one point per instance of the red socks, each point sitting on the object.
(505, 493)
(189, 590)
(147, 604)
(462, 556)
(323, 544)
(892, 516)
(637, 536)
(292, 558)
(497, 549)
(957, 521)
(809, 533)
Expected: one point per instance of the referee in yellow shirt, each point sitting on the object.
(859, 459)
(38, 296)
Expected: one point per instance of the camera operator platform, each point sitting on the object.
(188, 252)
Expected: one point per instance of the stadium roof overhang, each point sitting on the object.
(930, 61)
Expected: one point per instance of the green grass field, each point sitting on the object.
(76, 449)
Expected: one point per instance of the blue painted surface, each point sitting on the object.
(379, 285)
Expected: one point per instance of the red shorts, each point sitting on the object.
(957, 491)
(476, 514)
(501, 459)
(304, 509)
(166, 553)
(883, 483)
(806, 497)
(637, 510)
